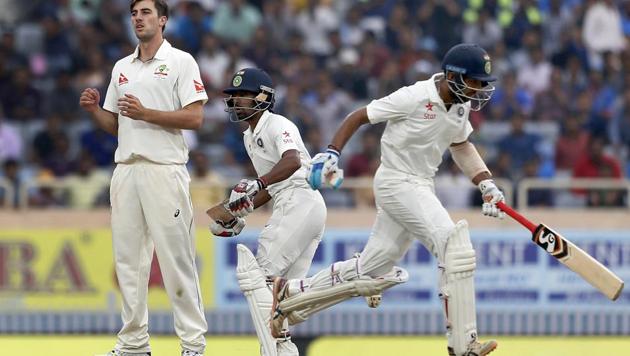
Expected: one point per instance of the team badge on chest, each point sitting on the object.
(259, 142)
(161, 71)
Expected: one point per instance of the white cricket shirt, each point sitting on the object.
(168, 82)
(273, 135)
(419, 128)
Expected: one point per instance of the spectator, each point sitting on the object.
(432, 15)
(510, 99)
(63, 99)
(100, 145)
(536, 197)
(594, 163)
(314, 22)
(351, 31)
(366, 160)
(20, 99)
(10, 140)
(452, 187)
(87, 187)
(485, 31)
(619, 130)
(59, 163)
(11, 173)
(519, 144)
(207, 187)
(44, 140)
(536, 74)
(553, 103)
(191, 25)
(236, 20)
(350, 78)
(328, 104)
(571, 145)
(602, 31)
(557, 20)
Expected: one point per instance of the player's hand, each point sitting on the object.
(491, 196)
(131, 107)
(240, 203)
(90, 99)
(324, 168)
(227, 229)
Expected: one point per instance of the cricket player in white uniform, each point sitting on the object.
(423, 120)
(287, 244)
(154, 93)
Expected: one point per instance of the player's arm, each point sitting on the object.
(470, 162)
(106, 120)
(241, 202)
(286, 166)
(324, 167)
(348, 127)
(189, 117)
(261, 198)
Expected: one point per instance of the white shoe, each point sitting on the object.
(477, 348)
(115, 352)
(191, 353)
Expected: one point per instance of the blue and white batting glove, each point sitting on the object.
(241, 201)
(491, 196)
(324, 168)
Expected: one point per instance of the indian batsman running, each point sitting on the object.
(287, 244)
(423, 120)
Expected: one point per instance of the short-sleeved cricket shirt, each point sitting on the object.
(419, 128)
(273, 135)
(168, 82)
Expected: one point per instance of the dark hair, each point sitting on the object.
(160, 5)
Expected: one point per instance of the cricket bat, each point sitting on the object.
(570, 255)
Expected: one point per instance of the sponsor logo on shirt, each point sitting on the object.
(429, 114)
(286, 137)
(199, 86)
(259, 142)
(122, 79)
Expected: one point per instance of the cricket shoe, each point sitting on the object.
(191, 353)
(280, 292)
(115, 352)
(477, 348)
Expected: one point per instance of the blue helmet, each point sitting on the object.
(252, 80)
(469, 60)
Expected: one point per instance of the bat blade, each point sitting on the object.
(578, 261)
(570, 255)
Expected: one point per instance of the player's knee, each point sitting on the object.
(459, 255)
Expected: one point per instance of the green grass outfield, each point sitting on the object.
(62, 345)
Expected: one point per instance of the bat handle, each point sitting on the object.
(516, 216)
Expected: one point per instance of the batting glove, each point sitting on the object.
(324, 168)
(491, 196)
(240, 203)
(227, 229)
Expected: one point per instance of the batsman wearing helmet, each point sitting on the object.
(287, 244)
(423, 120)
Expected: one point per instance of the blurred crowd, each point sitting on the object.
(559, 109)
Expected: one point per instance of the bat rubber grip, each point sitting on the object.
(516, 216)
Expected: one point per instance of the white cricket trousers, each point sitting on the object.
(407, 209)
(287, 244)
(151, 209)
